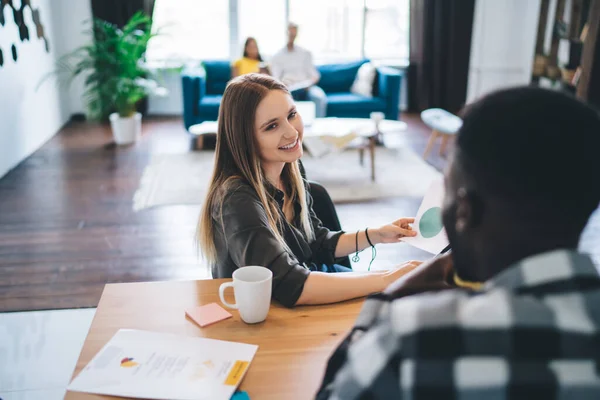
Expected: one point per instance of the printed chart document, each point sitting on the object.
(431, 235)
(154, 365)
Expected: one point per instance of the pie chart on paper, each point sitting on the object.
(430, 224)
(431, 235)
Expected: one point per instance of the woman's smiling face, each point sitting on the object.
(278, 129)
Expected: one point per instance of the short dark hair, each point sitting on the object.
(536, 146)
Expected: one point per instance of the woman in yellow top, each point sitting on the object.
(250, 62)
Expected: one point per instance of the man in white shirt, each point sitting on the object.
(294, 66)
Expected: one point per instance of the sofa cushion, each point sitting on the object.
(218, 73)
(210, 103)
(340, 102)
(337, 78)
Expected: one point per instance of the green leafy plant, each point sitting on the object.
(116, 75)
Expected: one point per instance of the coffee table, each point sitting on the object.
(294, 344)
(324, 135)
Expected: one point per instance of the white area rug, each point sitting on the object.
(183, 178)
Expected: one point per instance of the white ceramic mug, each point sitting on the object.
(252, 289)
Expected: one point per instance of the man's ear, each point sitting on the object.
(469, 210)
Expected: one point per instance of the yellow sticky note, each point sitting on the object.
(236, 373)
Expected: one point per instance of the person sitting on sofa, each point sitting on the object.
(251, 62)
(520, 187)
(293, 65)
(258, 210)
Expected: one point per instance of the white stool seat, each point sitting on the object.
(441, 120)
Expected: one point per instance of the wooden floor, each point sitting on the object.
(67, 226)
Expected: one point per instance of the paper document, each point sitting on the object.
(300, 85)
(328, 135)
(431, 235)
(154, 365)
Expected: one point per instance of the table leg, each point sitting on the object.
(445, 139)
(432, 138)
(372, 143)
(361, 156)
(199, 142)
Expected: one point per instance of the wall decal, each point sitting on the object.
(18, 8)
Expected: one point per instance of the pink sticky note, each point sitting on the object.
(207, 314)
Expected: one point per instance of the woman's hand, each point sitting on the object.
(435, 274)
(392, 233)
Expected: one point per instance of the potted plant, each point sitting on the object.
(116, 75)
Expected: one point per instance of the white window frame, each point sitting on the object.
(235, 42)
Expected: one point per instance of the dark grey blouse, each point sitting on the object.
(243, 237)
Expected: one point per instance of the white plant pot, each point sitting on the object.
(126, 130)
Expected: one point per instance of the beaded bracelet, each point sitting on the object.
(356, 258)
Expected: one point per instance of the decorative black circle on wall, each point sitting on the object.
(13, 49)
(2, 20)
(1, 58)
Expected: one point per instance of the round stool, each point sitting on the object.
(443, 124)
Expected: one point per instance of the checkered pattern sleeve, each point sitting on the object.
(533, 329)
(363, 365)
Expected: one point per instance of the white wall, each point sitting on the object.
(172, 103)
(30, 115)
(502, 46)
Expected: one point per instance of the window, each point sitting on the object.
(190, 30)
(333, 30)
(386, 29)
(263, 20)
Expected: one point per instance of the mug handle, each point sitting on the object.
(222, 295)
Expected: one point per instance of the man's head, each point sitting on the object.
(292, 32)
(524, 178)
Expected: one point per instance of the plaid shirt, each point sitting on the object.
(532, 332)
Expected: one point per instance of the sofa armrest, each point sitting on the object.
(389, 80)
(193, 82)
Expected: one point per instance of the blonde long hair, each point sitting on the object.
(237, 158)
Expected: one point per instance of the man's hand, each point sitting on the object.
(432, 275)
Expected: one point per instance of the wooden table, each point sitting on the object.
(294, 345)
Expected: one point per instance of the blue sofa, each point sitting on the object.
(336, 80)
(203, 88)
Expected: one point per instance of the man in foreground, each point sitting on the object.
(514, 310)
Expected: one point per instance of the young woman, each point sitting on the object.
(250, 62)
(258, 211)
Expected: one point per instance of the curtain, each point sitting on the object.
(440, 48)
(118, 12)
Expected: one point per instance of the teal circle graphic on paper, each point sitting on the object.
(431, 222)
